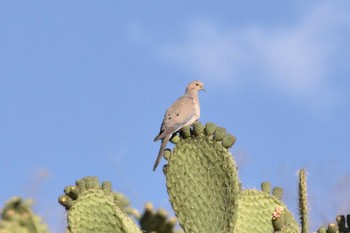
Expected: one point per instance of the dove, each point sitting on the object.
(184, 112)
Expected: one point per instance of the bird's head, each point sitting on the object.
(195, 86)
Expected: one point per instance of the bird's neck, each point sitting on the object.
(192, 93)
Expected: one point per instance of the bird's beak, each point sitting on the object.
(203, 89)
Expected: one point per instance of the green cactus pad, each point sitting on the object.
(17, 217)
(156, 221)
(202, 183)
(255, 210)
(96, 208)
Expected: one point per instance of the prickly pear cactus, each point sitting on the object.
(332, 228)
(95, 208)
(342, 225)
(17, 217)
(157, 221)
(205, 192)
(262, 212)
(202, 180)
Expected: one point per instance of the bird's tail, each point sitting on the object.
(157, 138)
(161, 151)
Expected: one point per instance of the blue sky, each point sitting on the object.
(84, 86)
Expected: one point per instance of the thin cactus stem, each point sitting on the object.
(303, 211)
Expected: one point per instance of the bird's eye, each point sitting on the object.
(197, 84)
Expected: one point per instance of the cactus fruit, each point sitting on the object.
(17, 217)
(205, 192)
(95, 208)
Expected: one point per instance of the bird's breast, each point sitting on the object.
(197, 109)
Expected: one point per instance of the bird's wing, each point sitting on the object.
(177, 116)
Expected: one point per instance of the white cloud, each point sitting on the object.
(295, 60)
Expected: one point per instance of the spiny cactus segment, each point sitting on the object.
(202, 179)
(342, 225)
(157, 221)
(17, 217)
(205, 192)
(260, 211)
(96, 208)
(332, 228)
(277, 192)
(303, 208)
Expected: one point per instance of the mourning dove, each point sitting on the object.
(185, 111)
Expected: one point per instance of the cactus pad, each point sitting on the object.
(205, 192)
(93, 208)
(202, 181)
(17, 217)
(156, 221)
(256, 212)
